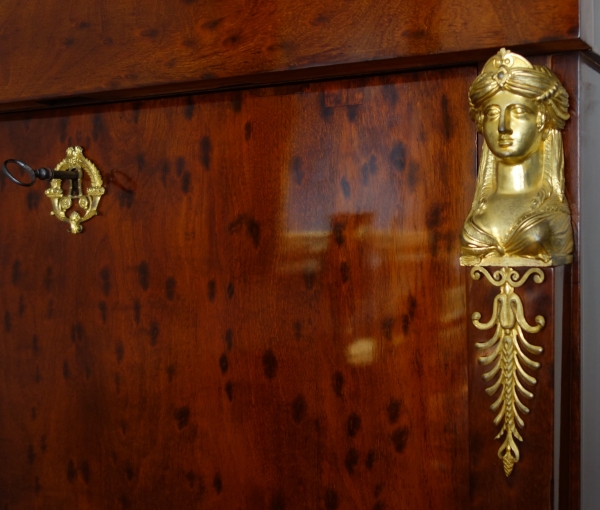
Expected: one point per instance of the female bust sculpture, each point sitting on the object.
(519, 216)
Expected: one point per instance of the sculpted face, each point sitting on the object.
(512, 126)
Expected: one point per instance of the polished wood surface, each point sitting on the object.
(567, 69)
(530, 485)
(65, 51)
(268, 314)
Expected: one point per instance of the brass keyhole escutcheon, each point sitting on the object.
(88, 202)
(72, 169)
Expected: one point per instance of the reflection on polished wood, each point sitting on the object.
(271, 314)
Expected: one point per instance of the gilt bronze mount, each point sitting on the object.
(519, 217)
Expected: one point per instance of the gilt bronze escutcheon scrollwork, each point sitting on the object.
(519, 217)
(72, 169)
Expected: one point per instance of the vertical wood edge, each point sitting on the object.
(567, 67)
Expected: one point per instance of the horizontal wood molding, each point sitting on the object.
(64, 52)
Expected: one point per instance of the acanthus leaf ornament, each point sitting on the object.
(508, 350)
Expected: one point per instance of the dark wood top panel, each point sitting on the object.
(99, 50)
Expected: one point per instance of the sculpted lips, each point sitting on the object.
(505, 141)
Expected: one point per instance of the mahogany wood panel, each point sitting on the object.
(530, 485)
(96, 50)
(268, 314)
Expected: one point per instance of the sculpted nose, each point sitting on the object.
(504, 123)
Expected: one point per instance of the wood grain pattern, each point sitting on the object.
(68, 52)
(268, 314)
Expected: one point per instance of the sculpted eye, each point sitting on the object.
(519, 110)
(492, 113)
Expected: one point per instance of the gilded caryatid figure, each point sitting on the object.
(520, 215)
